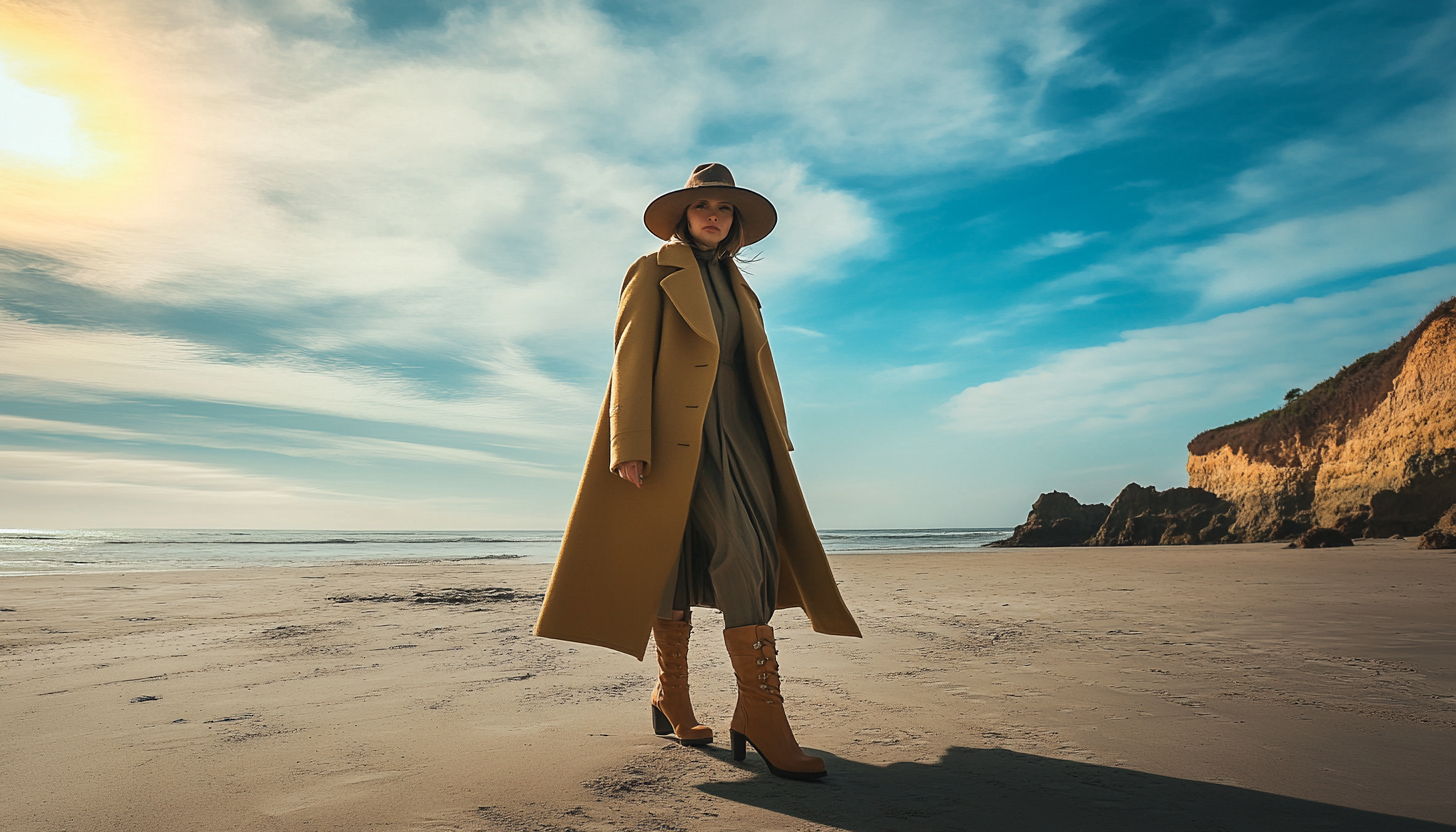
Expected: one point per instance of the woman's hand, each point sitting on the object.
(632, 471)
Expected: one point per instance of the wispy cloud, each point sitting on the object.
(913, 373)
(1297, 253)
(78, 469)
(102, 364)
(1154, 374)
(1057, 242)
(291, 442)
(1312, 211)
(1010, 320)
(799, 330)
(117, 491)
(64, 428)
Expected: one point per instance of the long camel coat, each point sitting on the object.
(621, 542)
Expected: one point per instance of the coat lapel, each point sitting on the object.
(684, 288)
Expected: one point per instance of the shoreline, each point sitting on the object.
(427, 560)
(1210, 684)
(115, 551)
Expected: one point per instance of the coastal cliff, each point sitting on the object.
(1371, 452)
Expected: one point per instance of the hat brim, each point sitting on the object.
(753, 210)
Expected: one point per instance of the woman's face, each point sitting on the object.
(709, 221)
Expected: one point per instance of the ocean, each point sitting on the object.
(59, 551)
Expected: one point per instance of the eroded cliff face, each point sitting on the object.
(1370, 452)
(1272, 501)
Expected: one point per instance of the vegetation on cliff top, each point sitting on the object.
(1333, 404)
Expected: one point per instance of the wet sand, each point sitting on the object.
(1234, 687)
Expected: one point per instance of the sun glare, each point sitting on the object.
(71, 131)
(36, 127)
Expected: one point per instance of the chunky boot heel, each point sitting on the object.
(672, 710)
(759, 718)
(660, 724)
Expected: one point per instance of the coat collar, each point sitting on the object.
(684, 287)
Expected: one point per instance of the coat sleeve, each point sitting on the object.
(634, 362)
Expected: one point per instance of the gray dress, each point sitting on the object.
(729, 558)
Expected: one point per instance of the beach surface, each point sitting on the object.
(1158, 688)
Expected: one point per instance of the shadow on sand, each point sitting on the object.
(994, 789)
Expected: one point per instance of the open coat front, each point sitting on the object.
(621, 542)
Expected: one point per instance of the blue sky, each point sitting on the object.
(367, 274)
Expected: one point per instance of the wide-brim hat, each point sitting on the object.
(712, 181)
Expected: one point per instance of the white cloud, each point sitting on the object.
(62, 428)
(1057, 242)
(463, 203)
(79, 469)
(896, 86)
(1306, 243)
(891, 87)
(818, 227)
(1323, 174)
(305, 444)
(912, 373)
(490, 193)
(1317, 209)
(1394, 197)
(1297, 253)
(1008, 321)
(512, 401)
(1151, 375)
(799, 330)
(59, 489)
(1265, 53)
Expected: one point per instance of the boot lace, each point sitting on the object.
(768, 675)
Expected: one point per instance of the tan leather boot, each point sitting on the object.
(759, 717)
(672, 711)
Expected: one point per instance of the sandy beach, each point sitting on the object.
(1232, 687)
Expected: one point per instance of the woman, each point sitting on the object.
(689, 497)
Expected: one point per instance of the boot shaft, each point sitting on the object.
(754, 656)
(672, 650)
(672, 709)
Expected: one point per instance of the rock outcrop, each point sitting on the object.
(1057, 519)
(1443, 534)
(1370, 452)
(1322, 538)
(1140, 516)
(1144, 516)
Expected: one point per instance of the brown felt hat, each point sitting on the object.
(712, 181)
